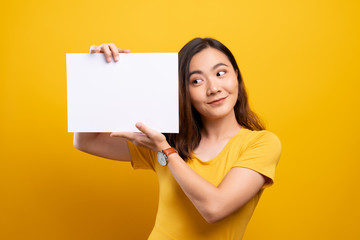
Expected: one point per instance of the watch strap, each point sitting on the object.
(169, 151)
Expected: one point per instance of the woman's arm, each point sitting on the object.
(213, 203)
(101, 144)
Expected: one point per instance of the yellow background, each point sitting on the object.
(300, 62)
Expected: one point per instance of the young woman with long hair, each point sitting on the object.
(213, 172)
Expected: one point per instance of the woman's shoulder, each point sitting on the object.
(250, 137)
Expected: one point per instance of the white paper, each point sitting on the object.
(112, 97)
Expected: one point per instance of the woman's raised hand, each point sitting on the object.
(148, 138)
(110, 50)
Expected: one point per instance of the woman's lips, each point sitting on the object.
(217, 101)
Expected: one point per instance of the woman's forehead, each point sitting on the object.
(208, 58)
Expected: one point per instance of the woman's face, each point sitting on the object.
(213, 84)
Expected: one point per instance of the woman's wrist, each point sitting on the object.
(172, 157)
(162, 146)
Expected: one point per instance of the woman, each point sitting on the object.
(224, 159)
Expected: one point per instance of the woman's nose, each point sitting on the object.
(212, 87)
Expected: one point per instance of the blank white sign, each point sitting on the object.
(112, 97)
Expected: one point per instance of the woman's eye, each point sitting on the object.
(196, 81)
(220, 73)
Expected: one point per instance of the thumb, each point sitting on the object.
(144, 129)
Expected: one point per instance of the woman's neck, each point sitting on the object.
(225, 127)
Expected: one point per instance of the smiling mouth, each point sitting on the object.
(217, 101)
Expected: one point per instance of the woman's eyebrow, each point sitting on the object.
(214, 67)
(194, 72)
(219, 64)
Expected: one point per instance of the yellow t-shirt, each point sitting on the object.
(177, 218)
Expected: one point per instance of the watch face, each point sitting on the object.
(161, 158)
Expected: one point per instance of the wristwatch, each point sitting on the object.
(163, 155)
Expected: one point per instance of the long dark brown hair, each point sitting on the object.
(189, 135)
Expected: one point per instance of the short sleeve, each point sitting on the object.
(262, 155)
(141, 158)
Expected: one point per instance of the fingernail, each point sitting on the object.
(116, 58)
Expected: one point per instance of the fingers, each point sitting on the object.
(145, 132)
(115, 51)
(107, 52)
(131, 136)
(138, 139)
(158, 140)
(144, 129)
(148, 138)
(128, 135)
(94, 49)
(110, 51)
(123, 50)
